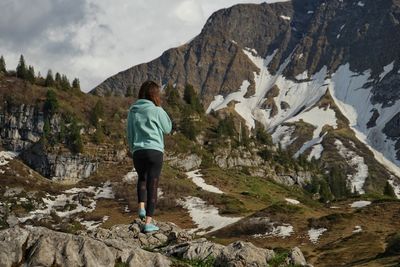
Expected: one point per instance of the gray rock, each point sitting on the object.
(10, 192)
(241, 254)
(12, 220)
(186, 162)
(297, 257)
(196, 249)
(39, 246)
(12, 242)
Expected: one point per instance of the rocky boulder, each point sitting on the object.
(126, 244)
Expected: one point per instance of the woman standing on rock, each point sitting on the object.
(146, 125)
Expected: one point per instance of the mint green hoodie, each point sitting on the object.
(147, 125)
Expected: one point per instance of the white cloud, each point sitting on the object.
(94, 39)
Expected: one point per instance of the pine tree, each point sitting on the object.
(190, 96)
(65, 85)
(172, 95)
(325, 192)
(31, 74)
(2, 65)
(57, 80)
(97, 113)
(21, 68)
(49, 82)
(74, 138)
(76, 85)
(338, 183)
(262, 135)
(226, 127)
(51, 103)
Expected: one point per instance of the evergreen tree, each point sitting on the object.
(97, 113)
(2, 65)
(21, 68)
(189, 129)
(389, 191)
(76, 85)
(46, 128)
(98, 137)
(325, 192)
(338, 183)
(57, 80)
(49, 82)
(190, 96)
(51, 103)
(172, 95)
(65, 85)
(262, 135)
(74, 137)
(31, 74)
(226, 127)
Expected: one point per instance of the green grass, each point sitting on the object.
(280, 260)
(207, 262)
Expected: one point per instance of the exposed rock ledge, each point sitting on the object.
(39, 246)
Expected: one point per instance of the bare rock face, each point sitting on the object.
(39, 246)
(186, 162)
(59, 166)
(22, 125)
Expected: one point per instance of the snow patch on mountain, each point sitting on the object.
(5, 158)
(396, 186)
(360, 204)
(386, 70)
(314, 234)
(316, 152)
(205, 216)
(283, 136)
(283, 231)
(62, 204)
(197, 178)
(285, 17)
(356, 180)
(347, 88)
(318, 117)
(354, 101)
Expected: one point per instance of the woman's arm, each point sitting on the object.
(164, 120)
(129, 130)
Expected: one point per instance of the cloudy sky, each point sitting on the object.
(94, 39)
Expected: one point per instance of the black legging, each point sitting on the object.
(148, 163)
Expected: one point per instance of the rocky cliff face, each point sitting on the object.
(39, 246)
(22, 125)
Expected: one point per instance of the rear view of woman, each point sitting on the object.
(146, 125)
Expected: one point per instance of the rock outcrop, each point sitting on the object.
(59, 166)
(22, 128)
(39, 246)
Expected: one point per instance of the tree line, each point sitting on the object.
(27, 73)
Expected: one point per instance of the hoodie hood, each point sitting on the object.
(141, 104)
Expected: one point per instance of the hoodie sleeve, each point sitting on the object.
(164, 120)
(129, 130)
